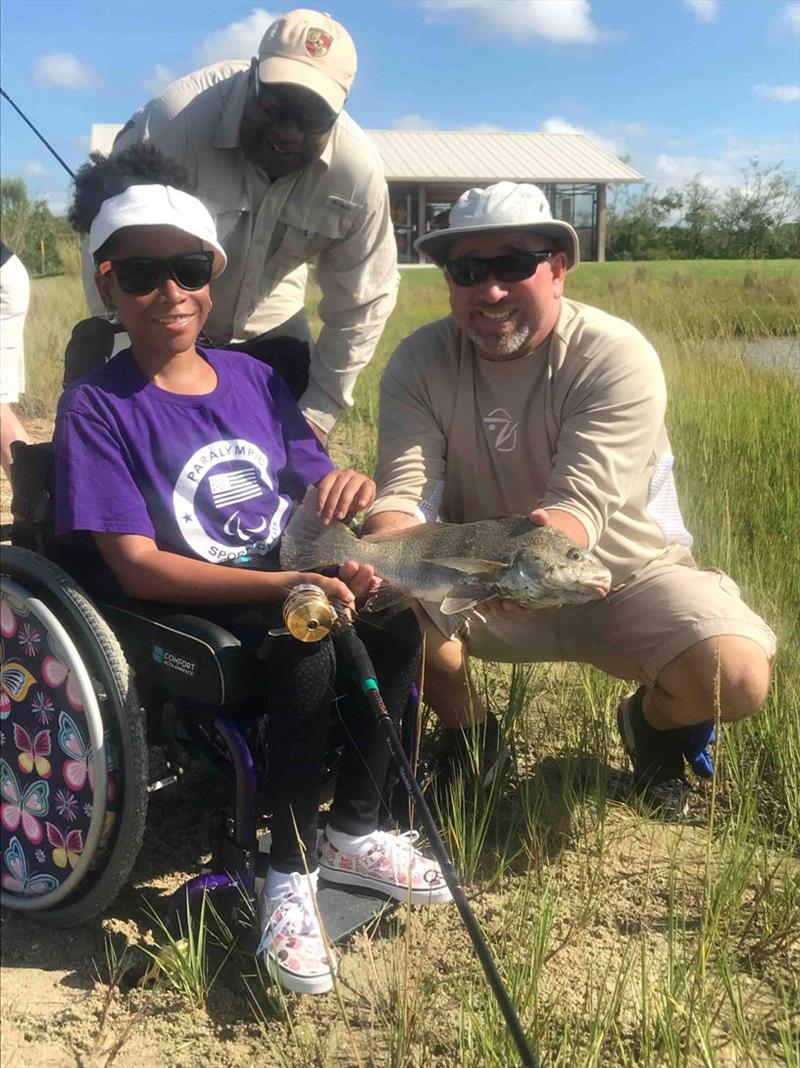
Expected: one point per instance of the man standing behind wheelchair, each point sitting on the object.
(182, 464)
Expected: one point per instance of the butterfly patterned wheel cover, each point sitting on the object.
(54, 763)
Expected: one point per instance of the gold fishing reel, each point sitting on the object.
(308, 615)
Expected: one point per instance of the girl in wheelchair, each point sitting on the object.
(182, 464)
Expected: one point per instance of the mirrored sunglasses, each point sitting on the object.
(511, 267)
(138, 275)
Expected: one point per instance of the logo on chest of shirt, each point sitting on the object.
(500, 423)
(226, 504)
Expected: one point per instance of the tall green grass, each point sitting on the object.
(56, 305)
(623, 941)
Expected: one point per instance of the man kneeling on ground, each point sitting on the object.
(523, 401)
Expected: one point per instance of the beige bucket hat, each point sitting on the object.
(503, 206)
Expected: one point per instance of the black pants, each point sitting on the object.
(287, 349)
(301, 680)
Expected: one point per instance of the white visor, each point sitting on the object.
(157, 205)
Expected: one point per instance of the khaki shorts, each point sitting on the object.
(634, 632)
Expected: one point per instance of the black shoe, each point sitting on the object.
(659, 770)
(476, 753)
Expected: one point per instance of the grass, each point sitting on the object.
(623, 941)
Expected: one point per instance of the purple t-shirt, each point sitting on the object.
(213, 476)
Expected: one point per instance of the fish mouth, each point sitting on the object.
(596, 586)
(582, 590)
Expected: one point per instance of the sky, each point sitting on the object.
(678, 87)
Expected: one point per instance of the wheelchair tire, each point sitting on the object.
(120, 801)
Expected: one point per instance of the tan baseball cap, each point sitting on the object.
(311, 49)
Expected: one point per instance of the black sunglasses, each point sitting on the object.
(276, 108)
(142, 274)
(512, 267)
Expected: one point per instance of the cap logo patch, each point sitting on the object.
(318, 43)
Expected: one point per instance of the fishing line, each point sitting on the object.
(44, 140)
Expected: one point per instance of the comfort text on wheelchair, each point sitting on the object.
(174, 661)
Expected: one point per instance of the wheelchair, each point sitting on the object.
(90, 682)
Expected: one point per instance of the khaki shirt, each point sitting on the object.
(577, 425)
(336, 212)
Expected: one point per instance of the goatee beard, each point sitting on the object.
(508, 345)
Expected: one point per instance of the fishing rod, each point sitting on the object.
(44, 141)
(309, 615)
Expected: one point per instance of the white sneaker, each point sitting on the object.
(292, 946)
(391, 865)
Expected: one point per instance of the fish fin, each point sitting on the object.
(308, 544)
(469, 565)
(461, 600)
(386, 599)
(403, 532)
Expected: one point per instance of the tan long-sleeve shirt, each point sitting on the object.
(576, 425)
(335, 211)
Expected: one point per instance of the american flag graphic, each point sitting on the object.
(233, 487)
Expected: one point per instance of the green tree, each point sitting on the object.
(14, 209)
(30, 228)
(759, 219)
(637, 225)
(697, 234)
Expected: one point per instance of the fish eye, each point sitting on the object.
(574, 554)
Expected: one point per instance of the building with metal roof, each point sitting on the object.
(427, 170)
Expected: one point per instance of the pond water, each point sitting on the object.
(783, 352)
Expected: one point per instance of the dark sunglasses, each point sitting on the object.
(276, 108)
(512, 267)
(142, 274)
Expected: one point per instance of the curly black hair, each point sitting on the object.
(106, 176)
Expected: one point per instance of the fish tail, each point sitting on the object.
(308, 545)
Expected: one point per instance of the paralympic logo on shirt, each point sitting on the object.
(222, 490)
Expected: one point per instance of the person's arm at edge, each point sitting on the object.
(352, 323)
(146, 572)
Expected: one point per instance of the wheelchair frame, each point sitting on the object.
(193, 677)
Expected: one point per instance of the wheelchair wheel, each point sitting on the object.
(73, 773)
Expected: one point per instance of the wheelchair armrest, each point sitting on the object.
(32, 495)
(183, 654)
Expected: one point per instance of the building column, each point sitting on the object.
(601, 223)
(422, 211)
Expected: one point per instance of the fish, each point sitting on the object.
(458, 565)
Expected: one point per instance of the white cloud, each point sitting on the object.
(741, 150)
(718, 158)
(419, 122)
(159, 79)
(62, 70)
(634, 129)
(789, 19)
(703, 10)
(413, 122)
(556, 125)
(485, 127)
(34, 169)
(239, 40)
(57, 203)
(784, 94)
(716, 172)
(521, 20)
